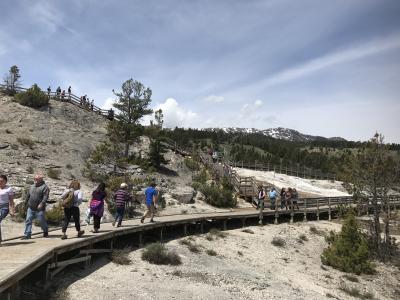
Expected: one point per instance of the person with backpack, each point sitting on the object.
(6, 200)
(151, 202)
(71, 199)
(36, 199)
(272, 197)
(97, 205)
(121, 197)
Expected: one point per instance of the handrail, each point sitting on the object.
(71, 98)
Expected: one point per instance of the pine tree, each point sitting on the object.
(132, 105)
(11, 80)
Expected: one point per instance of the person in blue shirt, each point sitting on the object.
(272, 196)
(151, 202)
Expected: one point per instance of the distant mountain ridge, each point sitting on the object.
(277, 133)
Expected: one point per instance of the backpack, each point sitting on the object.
(68, 200)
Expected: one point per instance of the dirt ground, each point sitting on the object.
(246, 266)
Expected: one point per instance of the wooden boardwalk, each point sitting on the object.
(19, 258)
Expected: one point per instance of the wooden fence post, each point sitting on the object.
(329, 209)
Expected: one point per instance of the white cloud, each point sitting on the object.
(250, 109)
(214, 98)
(357, 52)
(176, 115)
(108, 103)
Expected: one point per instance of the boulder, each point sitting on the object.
(183, 194)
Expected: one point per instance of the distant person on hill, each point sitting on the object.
(58, 92)
(6, 200)
(91, 105)
(151, 202)
(71, 199)
(283, 198)
(81, 101)
(295, 198)
(121, 197)
(97, 205)
(111, 114)
(36, 199)
(272, 197)
(48, 91)
(288, 198)
(62, 95)
(69, 92)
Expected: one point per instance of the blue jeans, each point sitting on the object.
(30, 216)
(3, 214)
(119, 215)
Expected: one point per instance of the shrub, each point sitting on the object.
(156, 253)
(121, 256)
(349, 250)
(315, 230)
(351, 278)
(218, 233)
(68, 166)
(211, 252)
(8, 131)
(278, 242)
(26, 142)
(202, 176)
(33, 97)
(303, 237)
(217, 196)
(240, 253)
(53, 173)
(194, 248)
(55, 215)
(191, 164)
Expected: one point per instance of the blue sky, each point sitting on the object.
(329, 68)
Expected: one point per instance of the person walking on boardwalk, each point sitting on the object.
(260, 203)
(295, 198)
(69, 93)
(71, 199)
(58, 92)
(97, 205)
(48, 91)
(272, 197)
(6, 200)
(151, 202)
(121, 197)
(36, 199)
(283, 198)
(288, 198)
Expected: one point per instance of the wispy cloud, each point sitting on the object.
(214, 98)
(326, 61)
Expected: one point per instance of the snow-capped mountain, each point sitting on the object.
(277, 133)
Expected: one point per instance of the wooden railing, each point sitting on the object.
(70, 98)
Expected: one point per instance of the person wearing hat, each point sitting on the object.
(121, 197)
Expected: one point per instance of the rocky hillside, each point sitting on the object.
(59, 139)
(278, 133)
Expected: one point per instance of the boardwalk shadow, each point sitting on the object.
(16, 244)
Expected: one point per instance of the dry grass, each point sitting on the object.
(278, 242)
(158, 254)
(211, 252)
(121, 256)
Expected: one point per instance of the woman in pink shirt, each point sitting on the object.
(6, 200)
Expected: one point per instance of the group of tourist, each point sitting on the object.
(288, 198)
(38, 195)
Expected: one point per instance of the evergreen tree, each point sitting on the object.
(132, 105)
(11, 80)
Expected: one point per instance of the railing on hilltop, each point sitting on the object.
(302, 172)
(70, 98)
